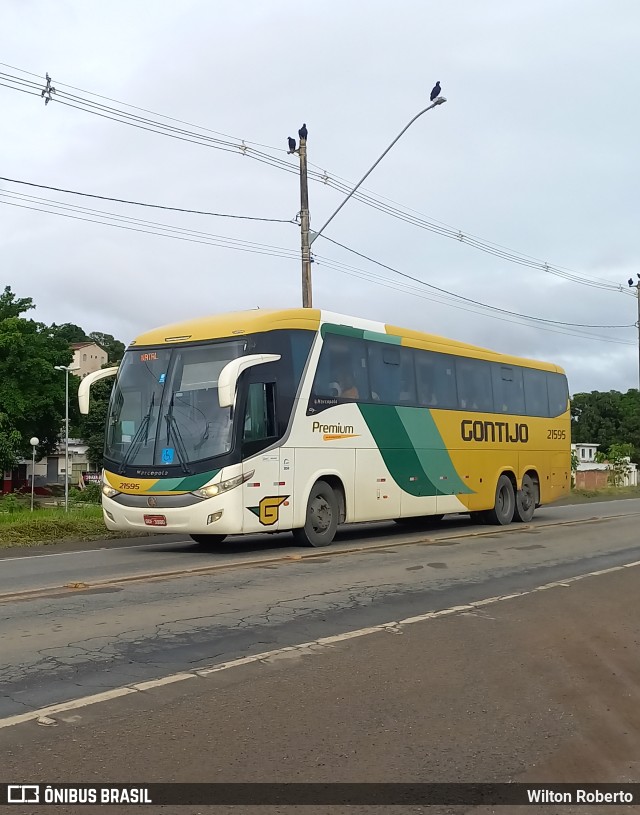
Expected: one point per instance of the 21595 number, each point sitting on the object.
(556, 434)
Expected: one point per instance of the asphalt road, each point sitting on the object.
(538, 688)
(28, 569)
(61, 645)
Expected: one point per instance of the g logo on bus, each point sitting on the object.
(152, 502)
(268, 511)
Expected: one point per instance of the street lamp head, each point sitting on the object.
(34, 441)
(439, 101)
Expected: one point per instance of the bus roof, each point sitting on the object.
(238, 323)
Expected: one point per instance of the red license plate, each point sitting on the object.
(155, 520)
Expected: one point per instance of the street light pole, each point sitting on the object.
(34, 441)
(438, 101)
(66, 369)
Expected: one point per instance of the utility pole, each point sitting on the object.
(636, 286)
(304, 226)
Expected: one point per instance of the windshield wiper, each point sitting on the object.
(140, 436)
(180, 448)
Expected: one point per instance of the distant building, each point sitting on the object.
(87, 358)
(594, 475)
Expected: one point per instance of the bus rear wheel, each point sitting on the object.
(505, 503)
(526, 500)
(207, 540)
(321, 517)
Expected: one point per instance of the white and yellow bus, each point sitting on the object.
(300, 419)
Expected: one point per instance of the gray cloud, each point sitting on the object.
(535, 150)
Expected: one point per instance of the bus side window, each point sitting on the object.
(391, 374)
(342, 370)
(475, 391)
(535, 392)
(558, 394)
(436, 380)
(259, 416)
(508, 389)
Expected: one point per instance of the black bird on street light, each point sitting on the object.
(631, 281)
(292, 145)
(436, 91)
(303, 132)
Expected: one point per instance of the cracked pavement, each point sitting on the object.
(57, 648)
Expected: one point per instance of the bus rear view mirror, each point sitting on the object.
(228, 379)
(86, 383)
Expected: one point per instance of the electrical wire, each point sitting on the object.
(143, 204)
(468, 299)
(49, 206)
(335, 182)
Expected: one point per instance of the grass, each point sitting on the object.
(21, 527)
(605, 494)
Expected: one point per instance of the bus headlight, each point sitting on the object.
(108, 491)
(223, 486)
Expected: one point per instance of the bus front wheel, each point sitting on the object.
(321, 517)
(505, 503)
(207, 540)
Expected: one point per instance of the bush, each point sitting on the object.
(10, 503)
(91, 494)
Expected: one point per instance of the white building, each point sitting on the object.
(588, 468)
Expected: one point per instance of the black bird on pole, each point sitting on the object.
(292, 145)
(303, 133)
(435, 93)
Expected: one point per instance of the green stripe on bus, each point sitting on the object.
(359, 333)
(431, 450)
(397, 449)
(188, 484)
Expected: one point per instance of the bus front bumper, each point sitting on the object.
(212, 516)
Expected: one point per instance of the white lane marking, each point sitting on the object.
(92, 551)
(314, 646)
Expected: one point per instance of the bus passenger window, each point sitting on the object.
(342, 370)
(508, 389)
(475, 391)
(436, 380)
(535, 392)
(558, 394)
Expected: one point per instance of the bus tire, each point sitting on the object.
(526, 499)
(505, 503)
(322, 516)
(207, 540)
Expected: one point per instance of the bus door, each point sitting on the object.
(263, 492)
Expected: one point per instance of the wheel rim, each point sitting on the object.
(320, 514)
(526, 498)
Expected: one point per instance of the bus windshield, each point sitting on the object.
(164, 410)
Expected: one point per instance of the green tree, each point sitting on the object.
(10, 444)
(607, 418)
(70, 332)
(113, 347)
(31, 390)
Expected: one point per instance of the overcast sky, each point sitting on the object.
(536, 149)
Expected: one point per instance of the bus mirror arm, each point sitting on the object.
(229, 375)
(87, 382)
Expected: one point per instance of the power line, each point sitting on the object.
(404, 289)
(374, 201)
(143, 204)
(137, 225)
(468, 299)
(89, 215)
